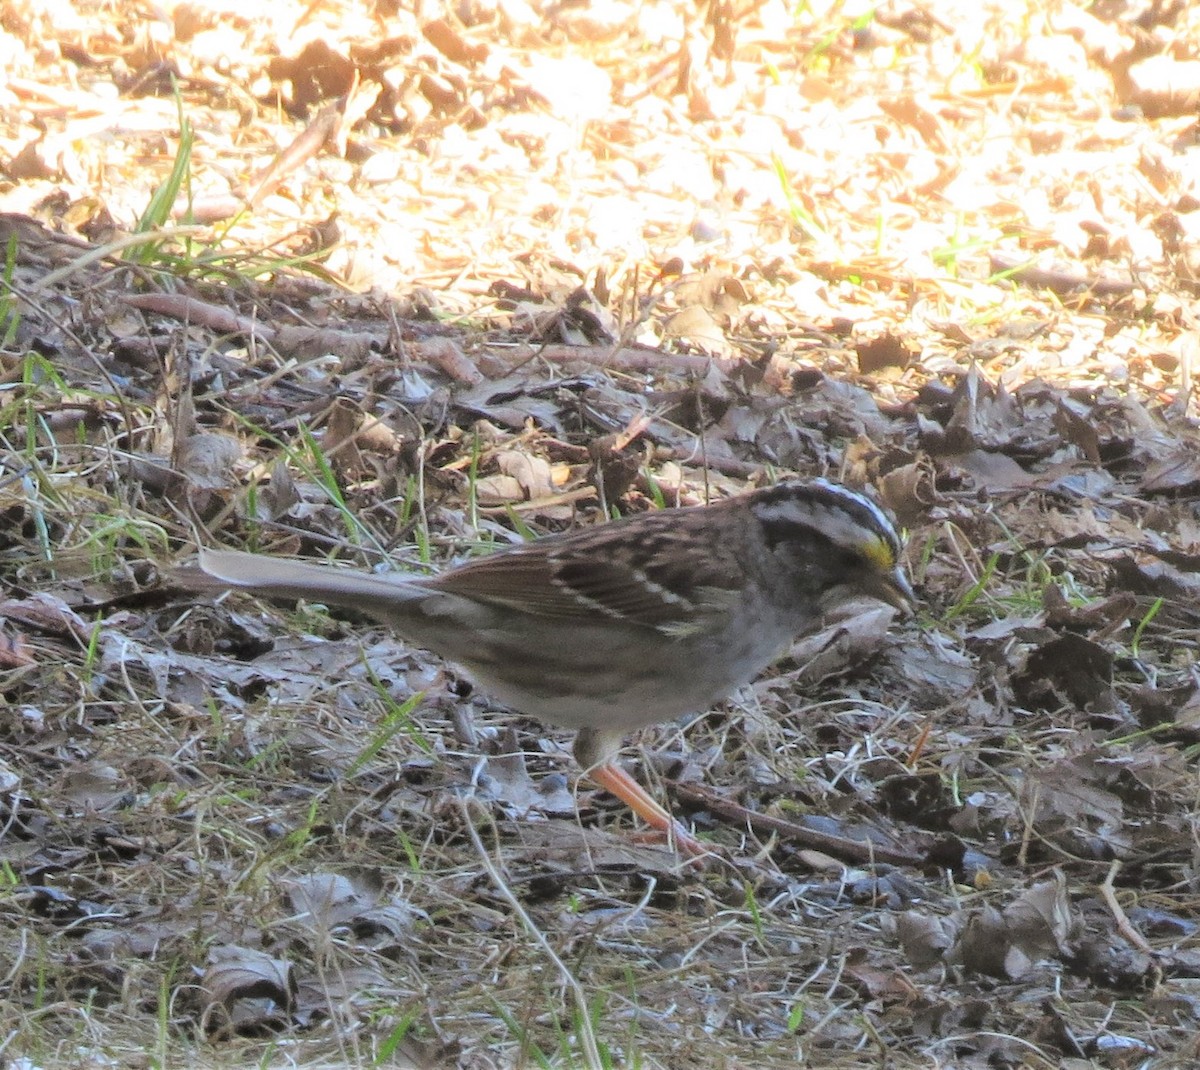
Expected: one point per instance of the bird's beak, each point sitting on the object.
(894, 589)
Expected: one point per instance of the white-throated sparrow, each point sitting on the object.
(613, 627)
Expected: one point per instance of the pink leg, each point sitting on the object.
(612, 778)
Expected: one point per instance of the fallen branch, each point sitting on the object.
(856, 851)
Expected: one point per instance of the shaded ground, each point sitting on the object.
(525, 265)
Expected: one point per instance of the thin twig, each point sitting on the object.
(587, 1039)
(857, 851)
(1125, 927)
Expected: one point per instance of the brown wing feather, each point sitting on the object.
(652, 580)
(519, 578)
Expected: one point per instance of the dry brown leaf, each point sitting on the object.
(244, 991)
(924, 938)
(48, 613)
(14, 652)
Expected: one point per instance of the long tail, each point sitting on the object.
(278, 577)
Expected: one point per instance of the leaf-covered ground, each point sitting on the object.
(337, 280)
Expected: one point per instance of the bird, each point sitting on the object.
(608, 628)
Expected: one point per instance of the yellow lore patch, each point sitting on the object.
(879, 553)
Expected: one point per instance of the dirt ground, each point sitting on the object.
(395, 287)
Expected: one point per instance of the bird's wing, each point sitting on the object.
(655, 579)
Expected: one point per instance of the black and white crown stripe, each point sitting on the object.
(841, 515)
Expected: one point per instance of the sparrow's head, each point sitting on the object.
(837, 540)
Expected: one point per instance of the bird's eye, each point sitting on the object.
(852, 560)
